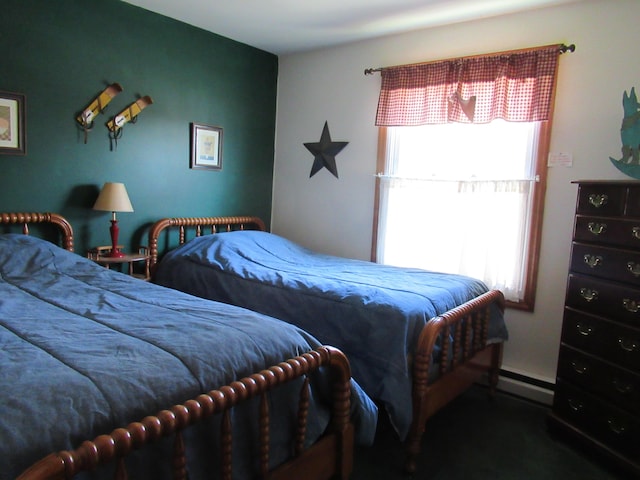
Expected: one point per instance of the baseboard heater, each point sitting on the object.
(526, 386)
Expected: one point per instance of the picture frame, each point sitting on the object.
(12, 124)
(206, 147)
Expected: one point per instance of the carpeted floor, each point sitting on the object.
(477, 438)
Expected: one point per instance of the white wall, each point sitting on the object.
(335, 215)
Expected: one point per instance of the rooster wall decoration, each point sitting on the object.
(629, 164)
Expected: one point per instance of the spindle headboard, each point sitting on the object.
(63, 225)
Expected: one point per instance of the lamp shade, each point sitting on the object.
(113, 198)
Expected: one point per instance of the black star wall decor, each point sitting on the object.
(325, 152)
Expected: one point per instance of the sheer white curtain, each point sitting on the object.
(456, 198)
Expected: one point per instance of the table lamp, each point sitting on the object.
(113, 198)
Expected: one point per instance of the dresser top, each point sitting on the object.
(607, 182)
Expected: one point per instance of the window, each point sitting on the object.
(463, 148)
(464, 198)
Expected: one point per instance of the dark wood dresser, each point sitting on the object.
(597, 395)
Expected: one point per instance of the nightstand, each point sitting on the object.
(100, 255)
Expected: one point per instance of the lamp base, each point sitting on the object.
(114, 231)
(115, 253)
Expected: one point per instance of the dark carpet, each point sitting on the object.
(476, 438)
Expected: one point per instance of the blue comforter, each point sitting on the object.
(373, 312)
(84, 349)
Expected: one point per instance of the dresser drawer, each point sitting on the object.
(603, 297)
(609, 424)
(617, 343)
(605, 262)
(602, 200)
(617, 385)
(607, 231)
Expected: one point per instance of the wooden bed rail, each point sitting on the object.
(27, 218)
(200, 224)
(337, 443)
(463, 359)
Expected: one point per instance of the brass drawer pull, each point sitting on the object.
(579, 368)
(593, 260)
(584, 329)
(627, 344)
(630, 305)
(597, 228)
(616, 427)
(588, 294)
(575, 405)
(622, 387)
(634, 268)
(635, 232)
(598, 200)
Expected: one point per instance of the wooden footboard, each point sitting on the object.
(463, 360)
(330, 457)
(24, 219)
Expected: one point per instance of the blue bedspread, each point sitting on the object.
(84, 349)
(374, 313)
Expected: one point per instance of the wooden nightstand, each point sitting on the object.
(100, 256)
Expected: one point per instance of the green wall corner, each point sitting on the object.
(62, 54)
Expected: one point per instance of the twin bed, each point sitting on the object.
(102, 368)
(88, 353)
(414, 339)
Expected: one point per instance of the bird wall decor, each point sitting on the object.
(629, 163)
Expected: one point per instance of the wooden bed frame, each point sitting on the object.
(472, 358)
(329, 457)
(24, 219)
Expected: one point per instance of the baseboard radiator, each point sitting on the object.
(524, 385)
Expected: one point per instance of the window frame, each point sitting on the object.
(527, 303)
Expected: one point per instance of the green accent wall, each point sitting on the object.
(61, 54)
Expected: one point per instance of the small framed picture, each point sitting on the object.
(206, 147)
(12, 124)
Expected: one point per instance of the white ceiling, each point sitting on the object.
(289, 26)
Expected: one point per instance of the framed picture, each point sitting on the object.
(206, 147)
(12, 124)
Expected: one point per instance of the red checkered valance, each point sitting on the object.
(515, 86)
